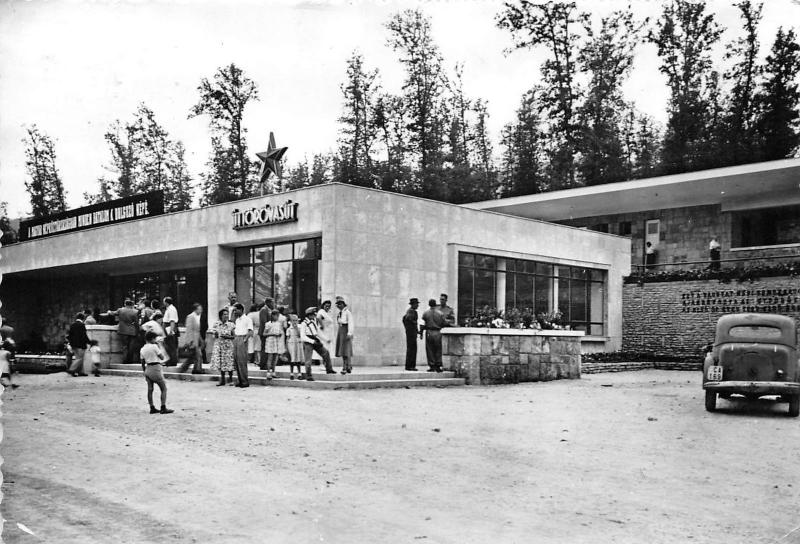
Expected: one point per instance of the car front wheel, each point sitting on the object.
(794, 406)
(711, 401)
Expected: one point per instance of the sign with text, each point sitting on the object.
(733, 301)
(96, 215)
(265, 215)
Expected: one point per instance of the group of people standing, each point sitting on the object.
(267, 334)
(434, 319)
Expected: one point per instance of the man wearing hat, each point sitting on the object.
(434, 323)
(311, 342)
(447, 312)
(411, 325)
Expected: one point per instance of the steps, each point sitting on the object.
(361, 378)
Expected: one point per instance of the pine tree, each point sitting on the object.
(44, 182)
(230, 175)
(607, 58)
(684, 36)
(144, 158)
(359, 131)
(297, 176)
(736, 134)
(555, 27)
(522, 170)
(778, 99)
(423, 98)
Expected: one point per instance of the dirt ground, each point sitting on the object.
(629, 457)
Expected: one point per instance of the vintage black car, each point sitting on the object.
(754, 355)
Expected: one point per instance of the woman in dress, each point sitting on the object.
(344, 335)
(294, 345)
(274, 343)
(324, 329)
(222, 355)
(254, 342)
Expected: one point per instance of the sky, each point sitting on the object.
(73, 68)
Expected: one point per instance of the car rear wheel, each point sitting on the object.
(711, 401)
(794, 406)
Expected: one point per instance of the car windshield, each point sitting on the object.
(755, 331)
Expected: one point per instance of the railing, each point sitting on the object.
(740, 269)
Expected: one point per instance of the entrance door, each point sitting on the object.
(306, 287)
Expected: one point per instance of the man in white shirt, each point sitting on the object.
(171, 331)
(242, 332)
(309, 335)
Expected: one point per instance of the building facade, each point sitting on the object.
(375, 249)
(753, 210)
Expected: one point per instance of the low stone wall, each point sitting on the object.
(599, 368)
(27, 363)
(110, 343)
(493, 356)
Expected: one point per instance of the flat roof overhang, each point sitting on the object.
(151, 262)
(748, 186)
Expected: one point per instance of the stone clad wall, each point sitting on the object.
(678, 318)
(492, 356)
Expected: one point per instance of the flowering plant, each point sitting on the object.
(514, 318)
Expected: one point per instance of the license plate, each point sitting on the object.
(714, 373)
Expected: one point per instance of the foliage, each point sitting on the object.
(44, 184)
(607, 58)
(684, 35)
(778, 99)
(8, 234)
(515, 318)
(359, 128)
(144, 158)
(725, 274)
(231, 174)
(554, 26)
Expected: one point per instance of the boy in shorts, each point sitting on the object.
(152, 357)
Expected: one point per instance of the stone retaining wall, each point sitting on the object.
(678, 318)
(494, 356)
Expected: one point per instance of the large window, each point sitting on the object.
(766, 227)
(287, 272)
(578, 293)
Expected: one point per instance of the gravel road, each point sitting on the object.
(628, 457)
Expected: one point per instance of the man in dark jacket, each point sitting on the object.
(411, 325)
(128, 329)
(78, 340)
(434, 323)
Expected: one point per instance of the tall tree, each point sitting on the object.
(522, 171)
(144, 158)
(778, 99)
(736, 132)
(684, 35)
(554, 26)
(423, 95)
(359, 130)
(44, 182)
(223, 99)
(607, 58)
(392, 122)
(297, 176)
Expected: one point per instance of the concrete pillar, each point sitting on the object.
(220, 278)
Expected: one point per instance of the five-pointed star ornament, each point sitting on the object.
(271, 160)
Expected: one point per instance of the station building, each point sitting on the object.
(375, 249)
(752, 209)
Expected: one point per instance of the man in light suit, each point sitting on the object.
(194, 342)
